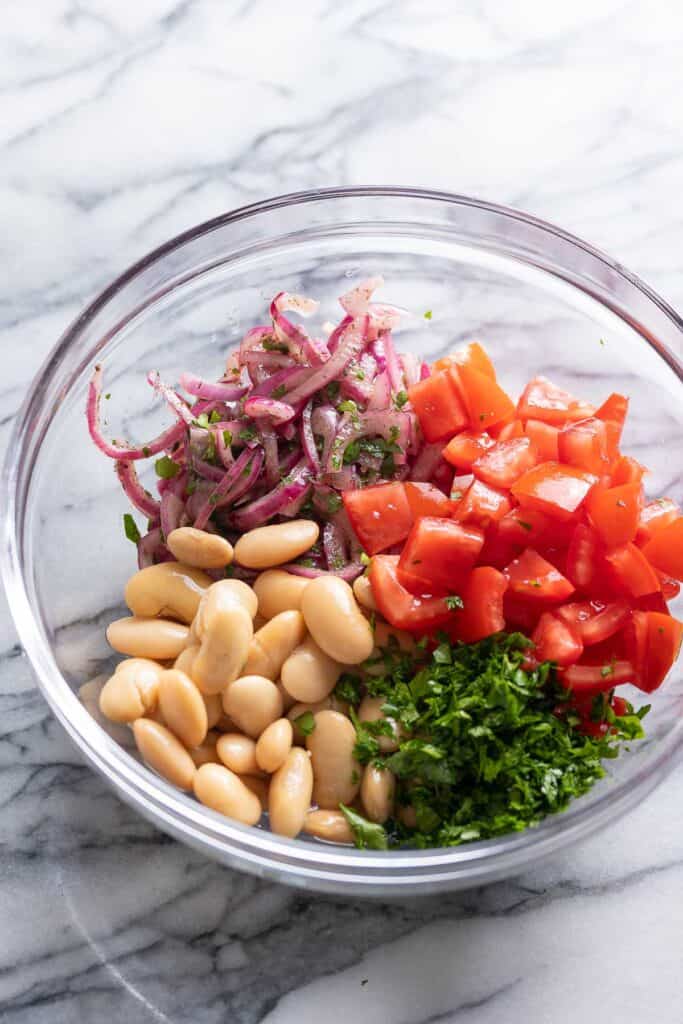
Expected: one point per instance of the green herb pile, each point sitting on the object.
(485, 752)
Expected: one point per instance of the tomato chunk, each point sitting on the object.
(665, 549)
(532, 576)
(380, 516)
(632, 572)
(542, 400)
(482, 612)
(655, 515)
(508, 431)
(486, 402)
(462, 450)
(460, 486)
(593, 621)
(582, 556)
(481, 505)
(556, 641)
(626, 470)
(553, 488)
(503, 464)
(545, 438)
(615, 512)
(525, 527)
(403, 610)
(427, 500)
(613, 411)
(670, 588)
(591, 679)
(475, 356)
(438, 406)
(441, 553)
(663, 643)
(585, 444)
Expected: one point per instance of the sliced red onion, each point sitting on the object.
(289, 377)
(269, 441)
(393, 365)
(324, 422)
(221, 391)
(391, 425)
(207, 506)
(411, 366)
(384, 316)
(338, 333)
(224, 450)
(356, 301)
(308, 440)
(426, 462)
(260, 407)
(123, 451)
(349, 573)
(260, 511)
(251, 339)
(172, 508)
(207, 471)
(180, 408)
(137, 495)
(381, 392)
(334, 546)
(294, 336)
(244, 483)
(378, 353)
(349, 348)
(151, 549)
(293, 509)
(425, 371)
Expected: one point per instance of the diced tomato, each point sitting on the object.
(475, 356)
(460, 486)
(524, 527)
(594, 621)
(652, 602)
(614, 512)
(654, 516)
(613, 411)
(438, 406)
(556, 641)
(515, 428)
(441, 554)
(482, 505)
(664, 550)
(541, 400)
(498, 550)
(545, 438)
(462, 450)
(631, 571)
(670, 588)
(582, 556)
(503, 464)
(427, 500)
(619, 706)
(380, 516)
(532, 576)
(626, 471)
(634, 637)
(585, 444)
(522, 614)
(486, 402)
(403, 610)
(482, 612)
(591, 679)
(554, 489)
(664, 636)
(442, 476)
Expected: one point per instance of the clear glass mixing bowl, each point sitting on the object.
(541, 300)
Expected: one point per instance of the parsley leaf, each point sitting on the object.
(306, 723)
(367, 835)
(454, 602)
(130, 528)
(166, 468)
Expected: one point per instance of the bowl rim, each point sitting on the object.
(316, 866)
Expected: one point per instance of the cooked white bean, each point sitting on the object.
(147, 638)
(253, 702)
(309, 674)
(132, 691)
(214, 708)
(362, 590)
(220, 789)
(287, 700)
(259, 786)
(183, 707)
(370, 710)
(330, 703)
(274, 744)
(329, 825)
(386, 636)
(169, 590)
(289, 796)
(273, 644)
(279, 591)
(377, 789)
(238, 753)
(222, 594)
(335, 621)
(335, 770)
(198, 548)
(205, 753)
(164, 753)
(226, 630)
(267, 546)
(185, 659)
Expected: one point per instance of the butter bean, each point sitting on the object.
(267, 546)
(362, 590)
(290, 791)
(221, 790)
(287, 700)
(183, 707)
(273, 644)
(199, 549)
(132, 691)
(238, 753)
(273, 745)
(309, 674)
(214, 708)
(226, 630)
(164, 753)
(370, 710)
(279, 591)
(377, 789)
(259, 786)
(253, 702)
(224, 594)
(169, 590)
(335, 621)
(335, 770)
(329, 825)
(147, 638)
(330, 703)
(205, 753)
(185, 659)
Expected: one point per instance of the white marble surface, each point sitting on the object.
(123, 122)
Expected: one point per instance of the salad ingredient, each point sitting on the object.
(290, 794)
(198, 548)
(164, 753)
(220, 789)
(309, 674)
(438, 405)
(336, 772)
(278, 591)
(225, 631)
(329, 825)
(664, 549)
(327, 602)
(253, 702)
(158, 639)
(440, 553)
(554, 489)
(377, 791)
(381, 516)
(274, 745)
(371, 710)
(183, 708)
(273, 643)
(238, 753)
(132, 691)
(169, 589)
(267, 546)
(482, 613)
(486, 402)
(422, 613)
(362, 591)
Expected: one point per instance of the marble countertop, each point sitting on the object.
(124, 122)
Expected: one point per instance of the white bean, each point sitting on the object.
(335, 621)
(221, 790)
(157, 639)
(205, 753)
(198, 548)
(309, 674)
(253, 702)
(267, 546)
(274, 744)
(164, 753)
(279, 591)
(132, 691)
(273, 644)
(168, 590)
(329, 825)
(362, 590)
(226, 630)
(183, 707)
(335, 769)
(238, 753)
(290, 791)
(377, 789)
(370, 710)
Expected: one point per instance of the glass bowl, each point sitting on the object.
(541, 300)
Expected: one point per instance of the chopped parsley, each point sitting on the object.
(279, 391)
(306, 723)
(367, 835)
(428, 314)
(166, 468)
(334, 503)
(454, 603)
(270, 345)
(400, 399)
(227, 438)
(247, 434)
(130, 528)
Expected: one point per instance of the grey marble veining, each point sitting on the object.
(122, 123)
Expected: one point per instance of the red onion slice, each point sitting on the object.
(260, 511)
(349, 348)
(128, 452)
(221, 391)
(137, 495)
